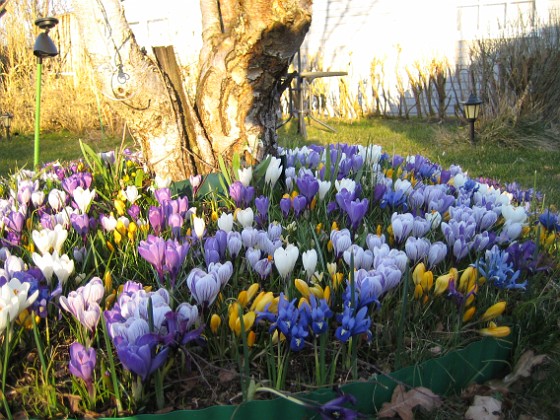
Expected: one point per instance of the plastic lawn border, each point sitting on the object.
(477, 362)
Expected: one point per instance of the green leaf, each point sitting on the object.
(225, 172)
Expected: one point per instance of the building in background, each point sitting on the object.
(384, 45)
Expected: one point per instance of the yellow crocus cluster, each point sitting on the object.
(314, 289)
(245, 309)
(423, 282)
(494, 330)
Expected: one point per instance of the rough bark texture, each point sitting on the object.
(247, 48)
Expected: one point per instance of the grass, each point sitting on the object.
(18, 152)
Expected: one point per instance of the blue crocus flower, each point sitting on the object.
(495, 267)
(394, 200)
(319, 314)
(352, 324)
(141, 358)
(549, 220)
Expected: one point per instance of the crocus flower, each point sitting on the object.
(14, 298)
(56, 199)
(83, 303)
(153, 251)
(131, 193)
(203, 286)
(82, 364)
(273, 171)
(142, 357)
(285, 259)
(352, 324)
(245, 175)
(309, 260)
(245, 217)
(498, 271)
(83, 198)
(225, 222)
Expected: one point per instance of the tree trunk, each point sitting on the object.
(247, 48)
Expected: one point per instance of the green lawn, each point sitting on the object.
(445, 144)
(18, 152)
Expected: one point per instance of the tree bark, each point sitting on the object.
(247, 48)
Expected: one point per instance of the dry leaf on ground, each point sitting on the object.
(524, 366)
(484, 408)
(402, 402)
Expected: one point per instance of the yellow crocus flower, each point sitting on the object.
(215, 322)
(468, 279)
(263, 299)
(302, 287)
(442, 282)
(418, 273)
(494, 311)
(468, 314)
(494, 331)
(120, 206)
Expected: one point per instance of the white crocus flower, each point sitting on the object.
(309, 259)
(38, 198)
(59, 238)
(514, 214)
(245, 217)
(63, 266)
(245, 175)
(45, 263)
(324, 187)
(347, 183)
(13, 264)
(14, 299)
(273, 171)
(109, 223)
(225, 222)
(131, 193)
(56, 199)
(285, 259)
(83, 198)
(162, 182)
(43, 239)
(198, 226)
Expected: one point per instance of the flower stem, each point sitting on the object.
(400, 331)
(112, 367)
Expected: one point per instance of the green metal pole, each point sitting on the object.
(37, 112)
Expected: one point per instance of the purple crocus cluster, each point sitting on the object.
(143, 327)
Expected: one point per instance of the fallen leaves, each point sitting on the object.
(484, 408)
(404, 402)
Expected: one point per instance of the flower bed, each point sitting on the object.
(125, 293)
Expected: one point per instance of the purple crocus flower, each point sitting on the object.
(80, 223)
(134, 212)
(308, 186)
(175, 254)
(175, 222)
(142, 357)
(549, 220)
(156, 219)
(82, 364)
(153, 251)
(285, 205)
(299, 203)
(356, 210)
(162, 195)
(242, 195)
(14, 222)
(262, 204)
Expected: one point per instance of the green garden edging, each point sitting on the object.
(477, 362)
